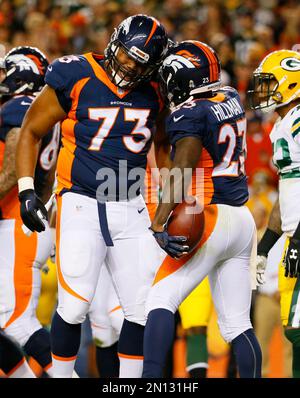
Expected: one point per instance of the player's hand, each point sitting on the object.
(292, 259)
(261, 264)
(172, 245)
(33, 210)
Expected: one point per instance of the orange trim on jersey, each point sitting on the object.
(65, 359)
(62, 282)
(19, 364)
(75, 94)
(150, 192)
(151, 210)
(25, 252)
(115, 309)
(220, 97)
(66, 155)
(170, 265)
(2, 148)
(130, 356)
(202, 184)
(10, 206)
(160, 99)
(213, 67)
(154, 26)
(102, 76)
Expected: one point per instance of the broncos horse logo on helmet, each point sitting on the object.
(144, 40)
(190, 67)
(25, 69)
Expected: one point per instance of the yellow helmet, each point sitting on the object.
(276, 82)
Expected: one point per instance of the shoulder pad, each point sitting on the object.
(64, 72)
(13, 111)
(188, 119)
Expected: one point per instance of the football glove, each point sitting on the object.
(33, 210)
(292, 259)
(172, 245)
(261, 264)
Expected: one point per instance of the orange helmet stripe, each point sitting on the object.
(212, 59)
(154, 26)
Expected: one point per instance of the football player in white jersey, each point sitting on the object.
(276, 86)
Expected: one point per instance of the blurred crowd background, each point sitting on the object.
(242, 33)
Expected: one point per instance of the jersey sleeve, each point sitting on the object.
(12, 114)
(185, 122)
(61, 75)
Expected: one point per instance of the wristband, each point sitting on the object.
(267, 242)
(25, 183)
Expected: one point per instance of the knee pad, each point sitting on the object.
(230, 329)
(293, 335)
(73, 312)
(106, 329)
(135, 314)
(155, 301)
(104, 336)
(22, 329)
(116, 319)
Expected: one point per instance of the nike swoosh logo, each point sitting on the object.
(25, 103)
(177, 118)
(50, 68)
(140, 210)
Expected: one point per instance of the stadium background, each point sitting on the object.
(242, 32)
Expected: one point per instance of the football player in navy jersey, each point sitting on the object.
(108, 106)
(207, 130)
(23, 72)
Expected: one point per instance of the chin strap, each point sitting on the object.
(293, 97)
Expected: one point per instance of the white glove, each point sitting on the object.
(261, 264)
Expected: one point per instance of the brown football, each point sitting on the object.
(187, 220)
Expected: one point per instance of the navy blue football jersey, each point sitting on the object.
(11, 116)
(12, 113)
(107, 132)
(219, 122)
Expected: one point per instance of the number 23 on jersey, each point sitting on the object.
(227, 134)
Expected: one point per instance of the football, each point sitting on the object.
(187, 219)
